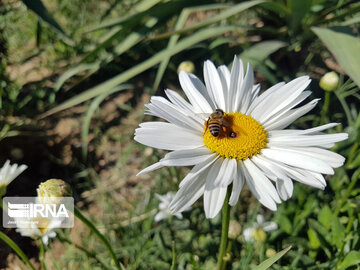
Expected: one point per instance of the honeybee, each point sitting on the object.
(218, 125)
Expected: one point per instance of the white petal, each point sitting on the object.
(248, 234)
(247, 87)
(254, 94)
(196, 98)
(298, 174)
(285, 188)
(297, 160)
(260, 186)
(161, 215)
(260, 219)
(187, 157)
(315, 130)
(285, 96)
(151, 168)
(213, 84)
(270, 226)
(178, 100)
(306, 140)
(291, 116)
(213, 173)
(258, 106)
(224, 75)
(213, 201)
(198, 169)
(221, 173)
(238, 184)
(333, 159)
(202, 89)
(167, 136)
(161, 107)
(284, 185)
(274, 118)
(188, 194)
(237, 73)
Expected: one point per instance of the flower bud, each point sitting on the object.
(187, 66)
(52, 190)
(329, 81)
(234, 229)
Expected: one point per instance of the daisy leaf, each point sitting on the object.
(344, 46)
(269, 262)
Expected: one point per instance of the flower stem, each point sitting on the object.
(325, 108)
(224, 231)
(42, 255)
(88, 223)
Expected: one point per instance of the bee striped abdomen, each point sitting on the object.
(214, 127)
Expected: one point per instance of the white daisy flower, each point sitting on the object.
(252, 144)
(257, 231)
(36, 228)
(10, 172)
(165, 211)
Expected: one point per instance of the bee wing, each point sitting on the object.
(204, 116)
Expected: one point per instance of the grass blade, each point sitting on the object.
(17, 249)
(38, 7)
(93, 106)
(269, 262)
(152, 61)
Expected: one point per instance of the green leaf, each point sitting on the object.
(325, 217)
(344, 46)
(337, 232)
(17, 249)
(285, 224)
(313, 239)
(351, 259)
(73, 71)
(38, 7)
(269, 262)
(260, 51)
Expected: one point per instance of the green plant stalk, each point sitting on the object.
(173, 263)
(42, 255)
(325, 107)
(224, 231)
(88, 223)
(17, 249)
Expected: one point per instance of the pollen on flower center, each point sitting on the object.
(250, 137)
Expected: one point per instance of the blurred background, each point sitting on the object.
(74, 78)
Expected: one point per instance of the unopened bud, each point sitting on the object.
(234, 229)
(52, 190)
(329, 81)
(186, 66)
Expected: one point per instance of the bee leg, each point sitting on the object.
(233, 135)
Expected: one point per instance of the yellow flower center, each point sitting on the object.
(240, 137)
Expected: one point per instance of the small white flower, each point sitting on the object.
(10, 172)
(164, 207)
(38, 227)
(257, 231)
(252, 146)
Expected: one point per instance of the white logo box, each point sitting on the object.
(25, 212)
